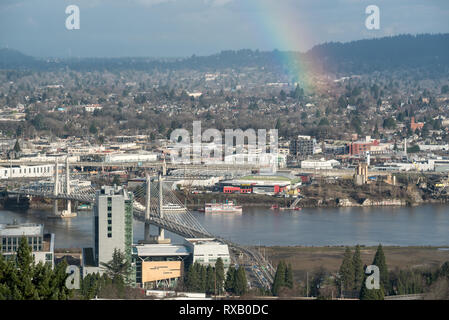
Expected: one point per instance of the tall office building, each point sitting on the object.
(113, 223)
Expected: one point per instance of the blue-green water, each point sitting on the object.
(403, 226)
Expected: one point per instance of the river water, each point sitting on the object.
(403, 226)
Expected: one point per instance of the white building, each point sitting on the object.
(264, 159)
(433, 147)
(15, 171)
(130, 157)
(42, 245)
(206, 251)
(319, 164)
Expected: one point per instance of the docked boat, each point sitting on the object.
(174, 208)
(227, 207)
(290, 208)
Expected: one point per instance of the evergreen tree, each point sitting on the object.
(346, 271)
(17, 146)
(376, 130)
(279, 278)
(240, 282)
(444, 270)
(210, 280)
(42, 280)
(289, 277)
(220, 276)
(61, 292)
(192, 279)
(7, 269)
(118, 268)
(370, 294)
(203, 278)
(25, 270)
(358, 269)
(90, 286)
(21, 279)
(93, 128)
(380, 262)
(230, 280)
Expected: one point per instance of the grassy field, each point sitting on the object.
(310, 259)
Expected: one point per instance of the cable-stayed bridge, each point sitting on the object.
(159, 207)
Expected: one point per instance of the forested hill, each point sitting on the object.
(389, 53)
(13, 59)
(429, 53)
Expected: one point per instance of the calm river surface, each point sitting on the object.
(403, 226)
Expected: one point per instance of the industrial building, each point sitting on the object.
(159, 265)
(42, 245)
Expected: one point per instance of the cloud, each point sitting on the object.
(213, 3)
(150, 3)
(217, 3)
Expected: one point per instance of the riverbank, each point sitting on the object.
(331, 194)
(197, 201)
(310, 259)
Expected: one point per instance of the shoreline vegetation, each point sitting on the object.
(197, 201)
(419, 272)
(333, 193)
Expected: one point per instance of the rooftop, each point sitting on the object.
(162, 250)
(21, 229)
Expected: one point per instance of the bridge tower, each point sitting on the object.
(67, 184)
(161, 209)
(56, 189)
(147, 209)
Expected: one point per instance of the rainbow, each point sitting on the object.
(283, 29)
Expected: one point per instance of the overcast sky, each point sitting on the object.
(175, 28)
